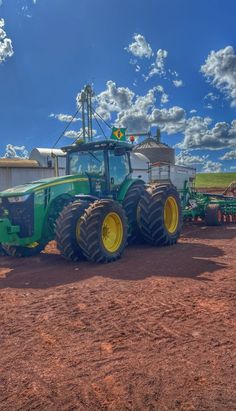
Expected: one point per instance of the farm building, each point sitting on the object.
(41, 164)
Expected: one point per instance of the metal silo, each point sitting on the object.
(156, 151)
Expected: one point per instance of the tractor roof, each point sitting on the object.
(98, 145)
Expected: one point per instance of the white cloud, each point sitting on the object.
(141, 114)
(159, 88)
(113, 99)
(178, 83)
(133, 61)
(184, 158)
(203, 164)
(76, 134)
(12, 151)
(173, 73)
(64, 117)
(139, 48)
(164, 98)
(6, 49)
(135, 121)
(198, 135)
(193, 111)
(136, 117)
(220, 71)
(230, 155)
(158, 67)
(209, 106)
(212, 167)
(1, 1)
(72, 134)
(170, 120)
(233, 168)
(212, 97)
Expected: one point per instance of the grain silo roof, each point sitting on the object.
(150, 143)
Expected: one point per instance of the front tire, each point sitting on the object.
(160, 215)
(68, 230)
(103, 231)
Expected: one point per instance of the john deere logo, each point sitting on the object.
(118, 134)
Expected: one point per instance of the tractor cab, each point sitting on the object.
(106, 164)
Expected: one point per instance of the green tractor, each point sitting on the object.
(93, 211)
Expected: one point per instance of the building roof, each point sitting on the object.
(18, 162)
(150, 143)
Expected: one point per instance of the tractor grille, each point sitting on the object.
(21, 214)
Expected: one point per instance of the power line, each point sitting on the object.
(80, 134)
(68, 125)
(108, 125)
(100, 127)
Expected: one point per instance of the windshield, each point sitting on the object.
(82, 162)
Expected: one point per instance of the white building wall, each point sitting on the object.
(10, 177)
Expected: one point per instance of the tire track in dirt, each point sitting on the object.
(154, 331)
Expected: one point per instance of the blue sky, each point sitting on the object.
(166, 63)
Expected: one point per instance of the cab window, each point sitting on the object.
(119, 167)
(91, 162)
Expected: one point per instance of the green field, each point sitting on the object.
(214, 180)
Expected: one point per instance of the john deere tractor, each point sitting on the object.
(93, 211)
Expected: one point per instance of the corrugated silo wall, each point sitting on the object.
(14, 176)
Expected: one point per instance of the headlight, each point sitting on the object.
(18, 199)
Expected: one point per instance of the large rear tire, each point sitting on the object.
(160, 216)
(19, 251)
(213, 215)
(130, 205)
(103, 231)
(68, 230)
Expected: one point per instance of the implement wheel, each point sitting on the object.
(213, 215)
(20, 251)
(103, 231)
(130, 205)
(160, 217)
(68, 230)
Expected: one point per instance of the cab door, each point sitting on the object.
(119, 168)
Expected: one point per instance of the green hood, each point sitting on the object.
(41, 184)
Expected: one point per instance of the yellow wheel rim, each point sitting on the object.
(171, 215)
(112, 232)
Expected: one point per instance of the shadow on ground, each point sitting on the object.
(184, 260)
(200, 230)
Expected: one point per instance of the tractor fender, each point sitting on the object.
(125, 187)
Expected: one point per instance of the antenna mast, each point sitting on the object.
(87, 112)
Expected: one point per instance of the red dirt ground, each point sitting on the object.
(153, 331)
